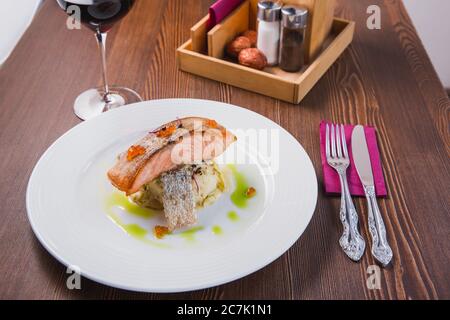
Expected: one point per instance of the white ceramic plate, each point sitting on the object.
(70, 209)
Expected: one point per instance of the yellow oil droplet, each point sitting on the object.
(217, 230)
(233, 216)
(189, 235)
(239, 195)
(119, 200)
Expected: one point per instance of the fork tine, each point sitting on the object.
(333, 142)
(344, 143)
(327, 141)
(338, 142)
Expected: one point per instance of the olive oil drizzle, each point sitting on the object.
(233, 216)
(119, 200)
(239, 197)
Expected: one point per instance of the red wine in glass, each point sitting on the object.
(100, 16)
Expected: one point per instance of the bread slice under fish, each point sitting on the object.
(178, 198)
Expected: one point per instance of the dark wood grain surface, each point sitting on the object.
(385, 78)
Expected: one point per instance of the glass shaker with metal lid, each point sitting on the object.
(269, 30)
(294, 21)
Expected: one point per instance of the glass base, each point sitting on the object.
(91, 103)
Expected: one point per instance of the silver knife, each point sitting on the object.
(380, 247)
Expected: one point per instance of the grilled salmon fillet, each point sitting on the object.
(177, 143)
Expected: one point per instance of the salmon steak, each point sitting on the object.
(169, 155)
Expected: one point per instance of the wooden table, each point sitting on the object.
(385, 78)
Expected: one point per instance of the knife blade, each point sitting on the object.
(361, 158)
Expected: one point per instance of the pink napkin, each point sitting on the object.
(220, 10)
(330, 176)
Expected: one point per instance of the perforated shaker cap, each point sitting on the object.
(269, 11)
(294, 17)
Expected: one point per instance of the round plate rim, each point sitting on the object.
(261, 265)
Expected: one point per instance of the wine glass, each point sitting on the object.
(100, 16)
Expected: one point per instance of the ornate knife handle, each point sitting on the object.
(351, 240)
(380, 246)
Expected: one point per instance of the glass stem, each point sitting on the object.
(101, 41)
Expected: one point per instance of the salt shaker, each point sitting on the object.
(293, 24)
(269, 18)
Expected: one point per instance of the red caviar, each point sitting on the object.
(212, 123)
(165, 132)
(250, 192)
(160, 232)
(135, 151)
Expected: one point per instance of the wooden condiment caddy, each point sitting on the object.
(325, 41)
(320, 22)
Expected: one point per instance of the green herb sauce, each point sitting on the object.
(120, 200)
(133, 230)
(239, 197)
(189, 235)
(217, 230)
(233, 216)
(136, 231)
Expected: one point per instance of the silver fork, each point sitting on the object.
(351, 240)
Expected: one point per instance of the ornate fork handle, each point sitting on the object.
(351, 240)
(380, 246)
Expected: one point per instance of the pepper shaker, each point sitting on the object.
(269, 18)
(293, 25)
